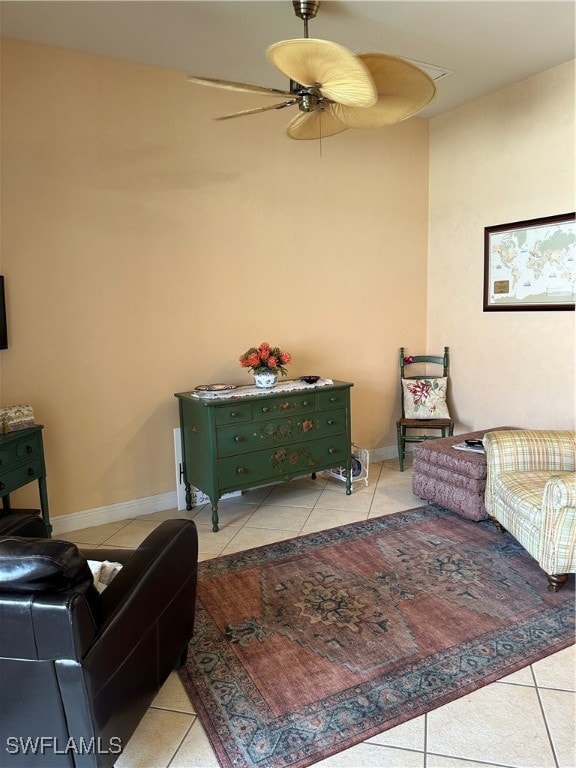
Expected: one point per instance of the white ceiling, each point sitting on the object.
(488, 44)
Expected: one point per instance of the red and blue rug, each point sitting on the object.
(306, 647)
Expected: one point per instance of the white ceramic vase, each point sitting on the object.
(265, 379)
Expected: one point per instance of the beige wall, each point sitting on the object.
(503, 158)
(145, 247)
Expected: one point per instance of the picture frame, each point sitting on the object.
(531, 265)
(3, 324)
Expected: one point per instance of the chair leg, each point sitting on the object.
(401, 445)
(556, 580)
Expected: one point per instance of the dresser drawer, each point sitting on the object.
(233, 413)
(5, 459)
(20, 475)
(244, 438)
(26, 449)
(19, 451)
(274, 406)
(332, 399)
(283, 462)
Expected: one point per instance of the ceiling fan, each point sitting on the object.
(333, 88)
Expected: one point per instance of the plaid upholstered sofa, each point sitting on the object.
(531, 492)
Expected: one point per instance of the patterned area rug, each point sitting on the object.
(309, 646)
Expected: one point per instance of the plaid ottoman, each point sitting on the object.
(452, 478)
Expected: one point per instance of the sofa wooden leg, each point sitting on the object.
(498, 524)
(556, 580)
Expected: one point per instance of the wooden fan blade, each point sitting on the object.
(256, 110)
(403, 90)
(230, 85)
(338, 74)
(314, 125)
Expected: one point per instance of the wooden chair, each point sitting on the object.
(423, 398)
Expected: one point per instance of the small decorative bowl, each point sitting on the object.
(310, 379)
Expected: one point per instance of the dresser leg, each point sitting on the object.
(349, 477)
(215, 518)
(43, 492)
(188, 488)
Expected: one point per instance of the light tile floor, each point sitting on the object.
(526, 720)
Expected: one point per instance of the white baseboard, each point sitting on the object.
(110, 514)
(137, 507)
(383, 453)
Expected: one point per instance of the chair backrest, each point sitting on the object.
(443, 360)
(408, 360)
(49, 606)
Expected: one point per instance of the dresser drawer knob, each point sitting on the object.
(305, 403)
(333, 399)
(29, 449)
(240, 471)
(238, 438)
(233, 414)
(330, 422)
(331, 450)
(265, 409)
(31, 472)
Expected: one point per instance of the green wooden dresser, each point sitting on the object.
(21, 462)
(243, 441)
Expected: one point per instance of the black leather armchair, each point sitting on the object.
(78, 669)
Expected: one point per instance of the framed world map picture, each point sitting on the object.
(530, 265)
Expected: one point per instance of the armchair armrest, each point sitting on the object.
(560, 491)
(175, 540)
(154, 594)
(558, 531)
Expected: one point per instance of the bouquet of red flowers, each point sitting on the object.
(266, 358)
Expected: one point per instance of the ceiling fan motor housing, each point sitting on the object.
(306, 9)
(311, 101)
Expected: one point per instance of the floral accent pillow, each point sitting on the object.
(425, 398)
